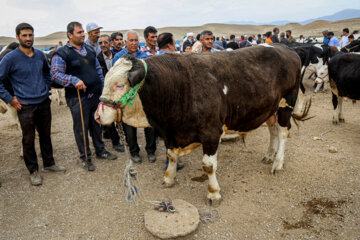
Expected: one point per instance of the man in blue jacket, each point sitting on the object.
(29, 74)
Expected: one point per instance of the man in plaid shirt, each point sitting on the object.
(76, 67)
(150, 35)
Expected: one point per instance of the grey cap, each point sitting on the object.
(325, 31)
(91, 27)
(282, 34)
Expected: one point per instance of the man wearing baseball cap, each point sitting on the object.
(93, 31)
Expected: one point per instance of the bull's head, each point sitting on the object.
(322, 75)
(126, 75)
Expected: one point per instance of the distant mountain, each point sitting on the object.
(342, 15)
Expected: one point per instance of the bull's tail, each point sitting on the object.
(302, 107)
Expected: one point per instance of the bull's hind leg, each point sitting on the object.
(209, 165)
(274, 143)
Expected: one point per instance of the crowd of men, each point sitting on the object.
(80, 66)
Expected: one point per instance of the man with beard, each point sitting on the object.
(105, 59)
(207, 41)
(116, 42)
(93, 31)
(132, 47)
(289, 37)
(76, 67)
(150, 35)
(28, 71)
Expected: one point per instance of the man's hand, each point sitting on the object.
(16, 104)
(81, 85)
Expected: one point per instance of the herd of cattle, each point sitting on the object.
(193, 99)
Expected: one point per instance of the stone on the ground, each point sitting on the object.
(166, 225)
(332, 149)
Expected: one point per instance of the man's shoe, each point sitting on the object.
(151, 157)
(91, 166)
(119, 148)
(106, 134)
(136, 158)
(55, 168)
(107, 155)
(35, 179)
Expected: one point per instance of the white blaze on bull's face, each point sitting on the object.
(116, 82)
(115, 86)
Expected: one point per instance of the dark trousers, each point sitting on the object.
(89, 106)
(131, 139)
(112, 133)
(31, 117)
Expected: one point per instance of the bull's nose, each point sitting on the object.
(97, 117)
(318, 81)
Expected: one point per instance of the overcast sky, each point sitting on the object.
(48, 16)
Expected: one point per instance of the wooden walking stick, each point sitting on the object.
(83, 128)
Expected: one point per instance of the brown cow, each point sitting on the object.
(189, 98)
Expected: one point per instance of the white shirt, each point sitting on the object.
(344, 41)
(108, 61)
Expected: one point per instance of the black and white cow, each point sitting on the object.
(343, 73)
(189, 99)
(314, 57)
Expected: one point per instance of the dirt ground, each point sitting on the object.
(316, 196)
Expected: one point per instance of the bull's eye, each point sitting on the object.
(119, 86)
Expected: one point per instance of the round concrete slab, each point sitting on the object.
(166, 225)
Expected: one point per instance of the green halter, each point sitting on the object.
(131, 94)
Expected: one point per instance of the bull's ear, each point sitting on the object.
(137, 72)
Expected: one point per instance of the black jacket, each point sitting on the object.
(102, 62)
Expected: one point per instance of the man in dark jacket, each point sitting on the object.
(275, 38)
(232, 44)
(76, 67)
(105, 60)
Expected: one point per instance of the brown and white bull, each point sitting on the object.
(189, 99)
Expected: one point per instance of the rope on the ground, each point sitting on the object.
(132, 182)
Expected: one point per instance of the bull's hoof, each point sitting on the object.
(276, 168)
(266, 160)
(335, 121)
(168, 182)
(213, 202)
(342, 120)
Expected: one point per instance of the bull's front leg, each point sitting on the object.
(170, 174)
(283, 133)
(210, 166)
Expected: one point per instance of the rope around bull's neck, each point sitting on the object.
(131, 94)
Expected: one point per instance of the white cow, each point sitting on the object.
(13, 115)
(58, 95)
